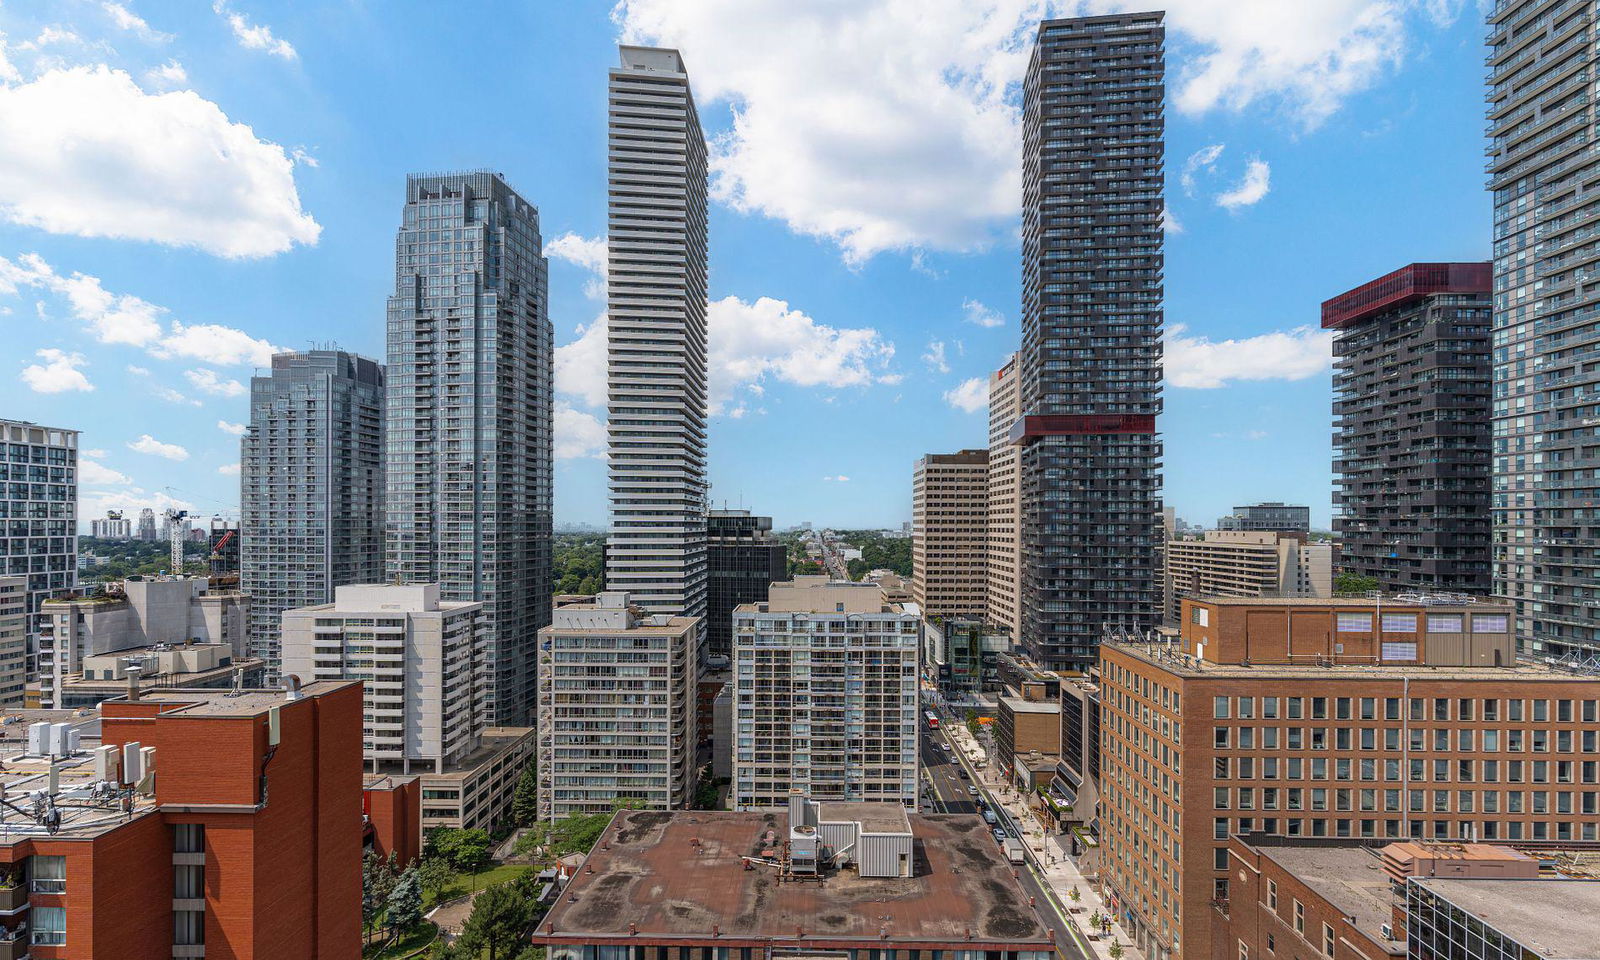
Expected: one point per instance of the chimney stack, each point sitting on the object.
(134, 671)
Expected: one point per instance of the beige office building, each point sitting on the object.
(1245, 563)
(1004, 535)
(949, 522)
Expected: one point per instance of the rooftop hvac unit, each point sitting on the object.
(107, 763)
(38, 738)
(132, 762)
(60, 740)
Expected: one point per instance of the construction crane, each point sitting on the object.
(177, 526)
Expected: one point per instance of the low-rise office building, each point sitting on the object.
(1375, 719)
(1245, 563)
(825, 693)
(1024, 730)
(188, 666)
(618, 708)
(703, 883)
(137, 613)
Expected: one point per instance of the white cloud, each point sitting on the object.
(750, 342)
(1201, 363)
(253, 36)
(237, 429)
(934, 358)
(172, 396)
(126, 19)
(229, 470)
(138, 371)
(127, 319)
(207, 381)
(155, 448)
(1203, 159)
(578, 434)
(58, 373)
(99, 475)
(1170, 222)
(581, 365)
(52, 36)
(884, 125)
(981, 315)
(969, 395)
(586, 252)
(304, 158)
(1251, 189)
(8, 72)
(169, 74)
(94, 452)
(841, 478)
(84, 151)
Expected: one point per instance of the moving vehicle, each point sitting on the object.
(971, 790)
(1014, 850)
(999, 836)
(932, 719)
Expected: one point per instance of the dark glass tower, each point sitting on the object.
(743, 559)
(1091, 333)
(468, 422)
(1411, 439)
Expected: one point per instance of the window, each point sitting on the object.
(1327, 940)
(1399, 623)
(1299, 918)
(1219, 707)
(1489, 623)
(1358, 622)
(1398, 651)
(1199, 616)
(1244, 951)
(49, 925)
(49, 874)
(1445, 623)
(1272, 895)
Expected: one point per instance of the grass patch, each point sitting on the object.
(467, 883)
(412, 940)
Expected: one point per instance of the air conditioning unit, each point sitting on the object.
(1386, 931)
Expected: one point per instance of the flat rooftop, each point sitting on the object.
(656, 874)
(1019, 705)
(1350, 878)
(1484, 605)
(226, 703)
(1168, 657)
(873, 817)
(86, 809)
(1557, 919)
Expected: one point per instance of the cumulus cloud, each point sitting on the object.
(126, 19)
(85, 152)
(237, 429)
(170, 74)
(753, 341)
(207, 381)
(981, 315)
(173, 396)
(155, 448)
(1170, 222)
(969, 395)
(1251, 188)
(138, 371)
(935, 359)
(1201, 363)
(253, 36)
(99, 475)
(57, 372)
(586, 252)
(126, 319)
(229, 470)
(581, 365)
(1203, 159)
(883, 125)
(578, 434)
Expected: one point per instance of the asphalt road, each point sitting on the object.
(950, 796)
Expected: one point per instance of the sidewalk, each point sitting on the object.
(1050, 858)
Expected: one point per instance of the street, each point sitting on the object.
(950, 795)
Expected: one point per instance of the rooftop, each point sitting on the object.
(1396, 602)
(1351, 878)
(1166, 657)
(1019, 705)
(1558, 919)
(226, 703)
(873, 817)
(657, 874)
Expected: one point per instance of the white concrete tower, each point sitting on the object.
(656, 340)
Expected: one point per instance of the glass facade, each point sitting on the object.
(468, 418)
(1092, 210)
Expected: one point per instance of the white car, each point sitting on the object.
(972, 791)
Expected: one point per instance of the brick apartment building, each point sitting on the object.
(1343, 719)
(203, 824)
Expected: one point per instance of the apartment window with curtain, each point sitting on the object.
(49, 874)
(49, 926)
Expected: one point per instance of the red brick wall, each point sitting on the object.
(396, 814)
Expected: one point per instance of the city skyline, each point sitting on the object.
(808, 305)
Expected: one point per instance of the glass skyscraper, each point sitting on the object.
(1090, 364)
(1543, 157)
(469, 415)
(311, 487)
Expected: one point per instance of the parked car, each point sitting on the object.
(999, 836)
(990, 818)
(971, 790)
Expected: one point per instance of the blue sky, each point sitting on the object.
(185, 186)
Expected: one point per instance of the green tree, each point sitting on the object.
(501, 916)
(465, 850)
(378, 876)
(435, 875)
(1115, 953)
(525, 798)
(1354, 583)
(405, 902)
